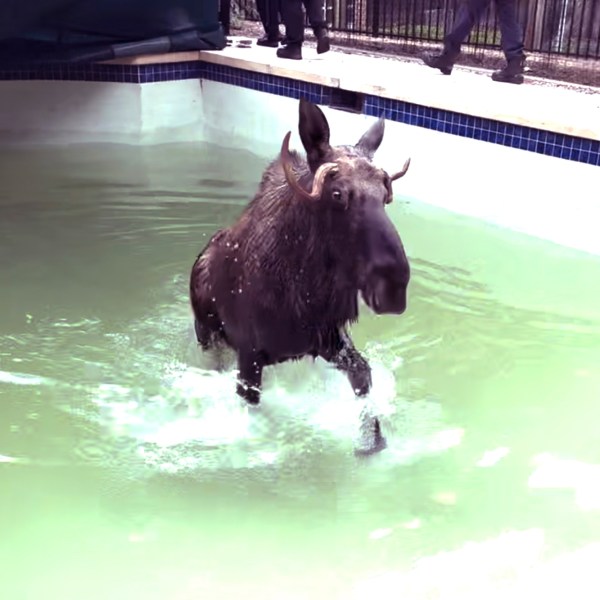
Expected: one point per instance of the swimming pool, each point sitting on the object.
(129, 469)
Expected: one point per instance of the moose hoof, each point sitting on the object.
(361, 382)
(372, 441)
(250, 394)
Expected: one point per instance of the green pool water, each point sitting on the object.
(129, 469)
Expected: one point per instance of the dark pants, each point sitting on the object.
(293, 18)
(315, 11)
(268, 10)
(469, 13)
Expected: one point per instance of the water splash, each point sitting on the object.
(154, 401)
(23, 378)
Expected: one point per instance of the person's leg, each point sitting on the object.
(315, 10)
(468, 14)
(293, 19)
(510, 30)
(512, 43)
(268, 10)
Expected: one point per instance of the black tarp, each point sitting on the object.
(95, 30)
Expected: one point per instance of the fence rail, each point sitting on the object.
(568, 28)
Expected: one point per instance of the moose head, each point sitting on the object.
(347, 183)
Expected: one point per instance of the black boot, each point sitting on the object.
(444, 61)
(323, 43)
(513, 72)
(271, 41)
(293, 51)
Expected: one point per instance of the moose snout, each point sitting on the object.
(387, 291)
(387, 273)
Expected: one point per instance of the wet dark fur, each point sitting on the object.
(283, 281)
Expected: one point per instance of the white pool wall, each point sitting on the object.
(69, 112)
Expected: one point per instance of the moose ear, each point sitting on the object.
(371, 139)
(314, 133)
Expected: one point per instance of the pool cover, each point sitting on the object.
(96, 30)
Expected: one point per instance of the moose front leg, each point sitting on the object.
(250, 367)
(348, 359)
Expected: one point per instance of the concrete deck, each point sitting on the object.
(538, 103)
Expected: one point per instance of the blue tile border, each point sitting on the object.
(496, 132)
(263, 82)
(521, 137)
(104, 72)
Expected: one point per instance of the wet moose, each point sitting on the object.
(283, 281)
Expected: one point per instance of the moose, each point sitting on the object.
(283, 281)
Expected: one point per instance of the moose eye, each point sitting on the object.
(339, 199)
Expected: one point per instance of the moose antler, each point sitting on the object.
(401, 173)
(318, 181)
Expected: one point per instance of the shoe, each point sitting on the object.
(293, 51)
(323, 43)
(269, 41)
(512, 73)
(444, 62)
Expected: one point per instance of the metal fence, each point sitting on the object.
(569, 28)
